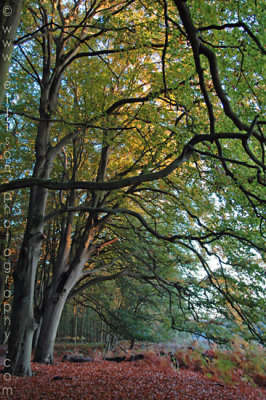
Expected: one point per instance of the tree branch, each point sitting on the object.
(111, 185)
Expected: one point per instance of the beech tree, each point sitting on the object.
(149, 117)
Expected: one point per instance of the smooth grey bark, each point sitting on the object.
(9, 20)
(55, 297)
(65, 277)
(36, 334)
(45, 345)
(61, 287)
(23, 323)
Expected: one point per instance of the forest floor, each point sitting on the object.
(138, 380)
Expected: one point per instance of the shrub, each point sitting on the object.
(153, 360)
(241, 361)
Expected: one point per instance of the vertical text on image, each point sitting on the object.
(7, 45)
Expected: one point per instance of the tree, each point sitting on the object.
(55, 61)
(180, 130)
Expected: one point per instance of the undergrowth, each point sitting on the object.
(239, 362)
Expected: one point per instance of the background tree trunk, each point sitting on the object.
(51, 318)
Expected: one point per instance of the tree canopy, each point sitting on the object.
(138, 165)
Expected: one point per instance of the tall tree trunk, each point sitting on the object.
(51, 318)
(36, 335)
(65, 279)
(61, 287)
(23, 323)
(22, 317)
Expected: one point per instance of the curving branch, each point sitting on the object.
(199, 48)
(111, 185)
(207, 238)
(239, 24)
